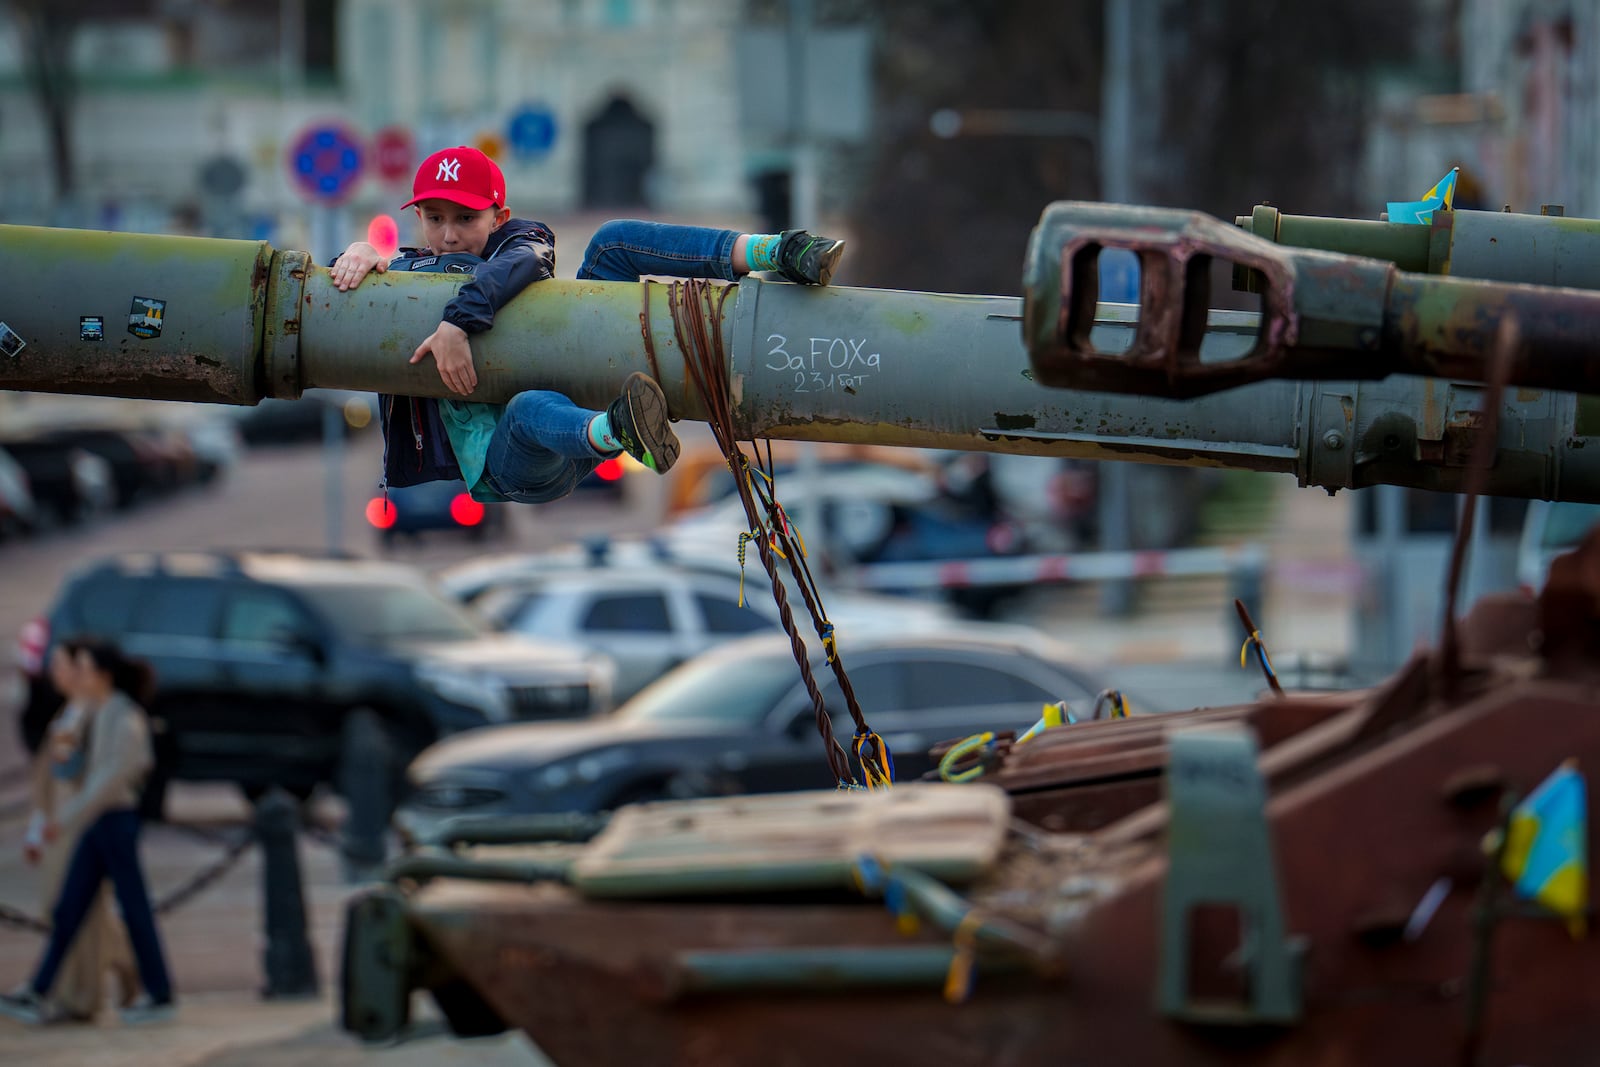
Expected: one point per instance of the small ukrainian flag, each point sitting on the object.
(1546, 848)
(1420, 212)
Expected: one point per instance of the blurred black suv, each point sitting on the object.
(261, 659)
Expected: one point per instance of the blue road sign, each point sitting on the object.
(532, 131)
(326, 162)
(1119, 276)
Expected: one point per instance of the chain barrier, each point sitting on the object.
(175, 898)
(326, 836)
(203, 878)
(18, 920)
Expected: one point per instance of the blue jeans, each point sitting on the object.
(540, 450)
(109, 848)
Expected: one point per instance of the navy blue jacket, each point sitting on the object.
(416, 448)
(517, 254)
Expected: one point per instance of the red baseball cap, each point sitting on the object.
(460, 175)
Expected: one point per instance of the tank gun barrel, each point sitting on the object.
(236, 321)
(1324, 315)
(1505, 246)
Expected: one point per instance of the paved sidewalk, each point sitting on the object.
(208, 1025)
(236, 1030)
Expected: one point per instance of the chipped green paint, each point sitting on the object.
(1014, 422)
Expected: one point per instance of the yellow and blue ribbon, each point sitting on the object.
(1420, 212)
(959, 751)
(1057, 714)
(877, 767)
(1254, 641)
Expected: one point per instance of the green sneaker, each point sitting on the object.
(639, 422)
(808, 259)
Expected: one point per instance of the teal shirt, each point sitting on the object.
(469, 425)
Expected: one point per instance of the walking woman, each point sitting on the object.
(58, 772)
(119, 757)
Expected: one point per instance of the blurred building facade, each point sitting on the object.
(1516, 103)
(183, 113)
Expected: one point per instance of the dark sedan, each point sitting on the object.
(415, 509)
(738, 720)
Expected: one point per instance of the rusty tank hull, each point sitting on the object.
(1394, 940)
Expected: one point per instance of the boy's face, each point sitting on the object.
(449, 227)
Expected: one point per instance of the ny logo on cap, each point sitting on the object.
(449, 171)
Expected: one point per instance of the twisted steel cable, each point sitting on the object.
(691, 302)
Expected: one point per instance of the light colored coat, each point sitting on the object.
(120, 758)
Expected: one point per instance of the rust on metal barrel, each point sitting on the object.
(110, 314)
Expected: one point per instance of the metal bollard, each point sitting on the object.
(368, 765)
(290, 967)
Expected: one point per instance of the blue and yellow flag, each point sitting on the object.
(1546, 849)
(1420, 212)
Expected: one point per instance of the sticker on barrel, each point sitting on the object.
(10, 342)
(145, 317)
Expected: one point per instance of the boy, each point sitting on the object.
(540, 445)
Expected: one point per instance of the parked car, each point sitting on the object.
(1549, 529)
(143, 463)
(261, 657)
(647, 620)
(738, 720)
(19, 513)
(416, 509)
(875, 513)
(859, 504)
(215, 440)
(650, 619)
(470, 579)
(68, 482)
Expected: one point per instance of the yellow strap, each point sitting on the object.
(958, 981)
(957, 752)
(744, 539)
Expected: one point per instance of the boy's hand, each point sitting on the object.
(453, 356)
(355, 263)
